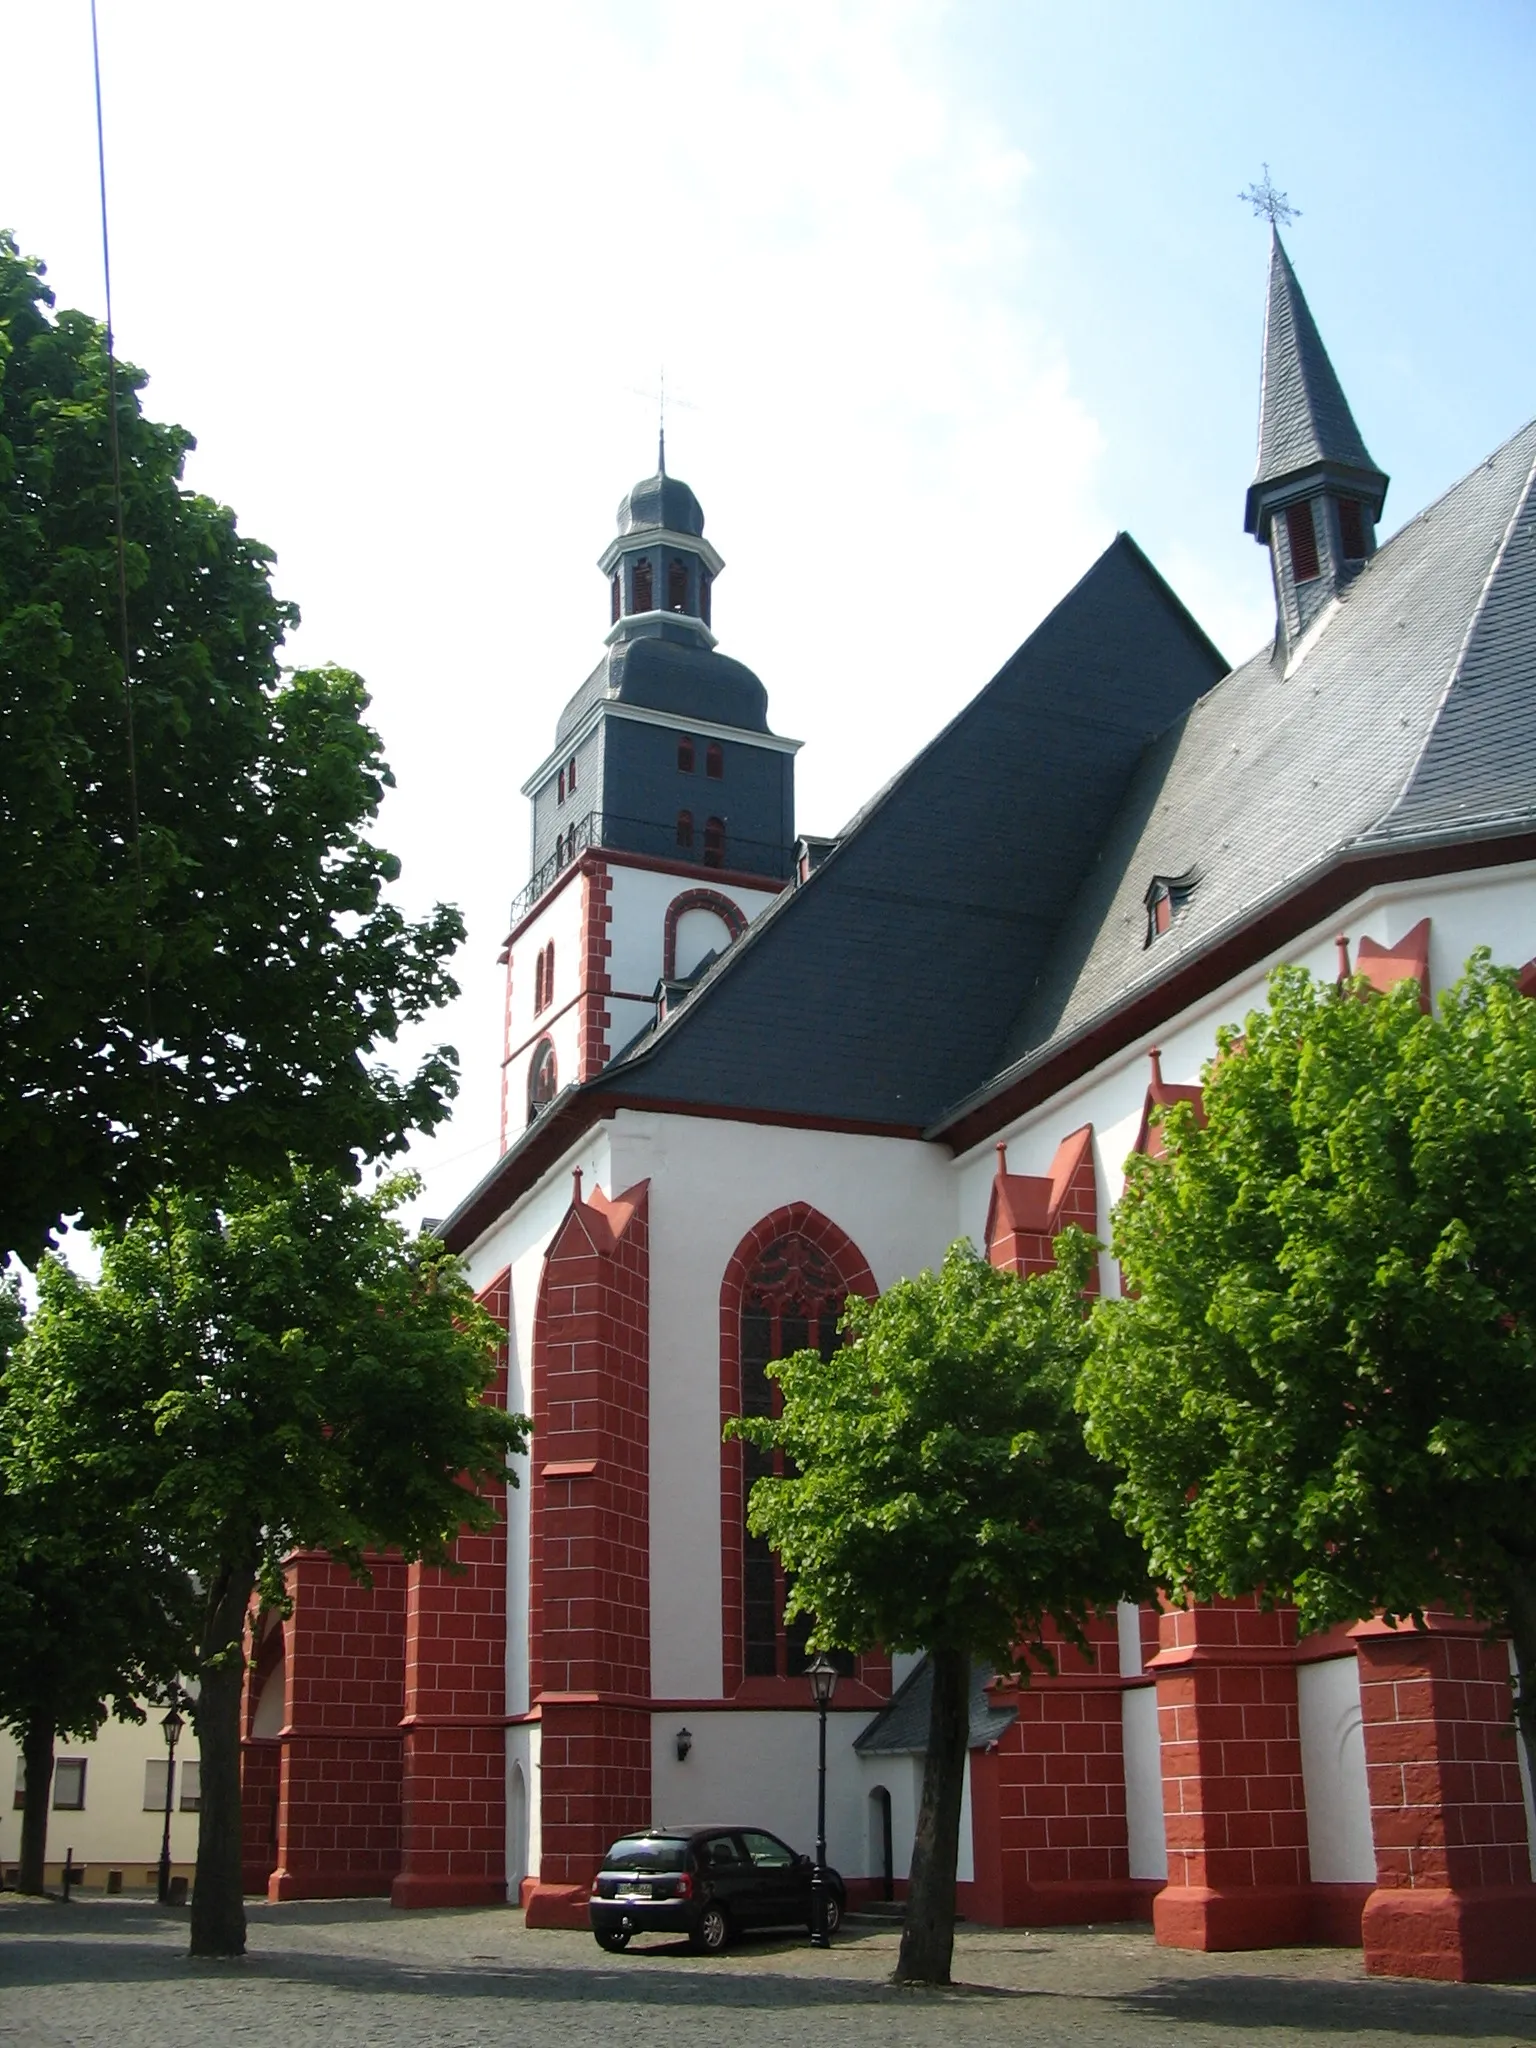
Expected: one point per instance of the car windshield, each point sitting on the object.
(639, 1853)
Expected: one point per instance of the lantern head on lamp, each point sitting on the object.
(684, 1740)
(823, 1676)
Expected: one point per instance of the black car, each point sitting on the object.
(707, 1883)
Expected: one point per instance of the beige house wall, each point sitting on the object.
(112, 1831)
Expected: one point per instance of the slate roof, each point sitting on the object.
(679, 675)
(661, 500)
(984, 920)
(901, 1726)
(1304, 417)
(1408, 710)
(879, 990)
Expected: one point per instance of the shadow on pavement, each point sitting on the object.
(1437, 2012)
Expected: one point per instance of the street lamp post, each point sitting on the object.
(823, 1676)
(171, 1725)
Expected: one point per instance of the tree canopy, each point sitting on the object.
(209, 994)
(936, 1494)
(287, 1369)
(1322, 1380)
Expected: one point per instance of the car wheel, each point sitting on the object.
(834, 1911)
(711, 1931)
(614, 1939)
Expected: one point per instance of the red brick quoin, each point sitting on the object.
(1454, 1897)
(453, 1764)
(589, 1562)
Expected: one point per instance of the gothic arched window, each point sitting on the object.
(640, 599)
(714, 842)
(792, 1301)
(541, 1078)
(677, 585)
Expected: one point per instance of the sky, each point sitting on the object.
(945, 296)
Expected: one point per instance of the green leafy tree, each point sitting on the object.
(94, 1616)
(206, 994)
(287, 1370)
(937, 1495)
(1322, 1382)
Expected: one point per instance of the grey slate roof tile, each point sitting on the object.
(1304, 417)
(1410, 704)
(901, 1726)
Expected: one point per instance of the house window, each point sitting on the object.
(155, 1771)
(685, 829)
(615, 599)
(69, 1785)
(541, 1078)
(685, 756)
(1302, 532)
(793, 1302)
(191, 1786)
(640, 586)
(714, 842)
(20, 1799)
(677, 585)
(714, 763)
(706, 583)
(560, 798)
(1351, 530)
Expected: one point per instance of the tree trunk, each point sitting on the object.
(37, 1757)
(218, 1899)
(1522, 1630)
(928, 1931)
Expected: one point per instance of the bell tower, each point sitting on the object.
(663, 816)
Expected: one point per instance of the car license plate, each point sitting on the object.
(638, 1891)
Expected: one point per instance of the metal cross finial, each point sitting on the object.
(661, 429)
(1268, 200)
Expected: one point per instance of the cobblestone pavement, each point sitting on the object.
(114, 1974)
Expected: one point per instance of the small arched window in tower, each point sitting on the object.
(1301, 531)
(714, 763)
(685, 756)
(640, 599)
(706, 584)
(560, 797)
(549, 972)
(538, 982)
(685, 829)
(541, 1078)
(570, 775)
(570, 843)
(615, 599)
(714, 842)
(677, 585)
(1351, 530)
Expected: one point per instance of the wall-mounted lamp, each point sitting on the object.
(684, 1741)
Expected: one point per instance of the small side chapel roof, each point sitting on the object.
(901, 1726)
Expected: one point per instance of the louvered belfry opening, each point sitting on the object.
(1301, 530)
(793, 1302)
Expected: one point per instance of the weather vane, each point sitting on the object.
(1268, 200)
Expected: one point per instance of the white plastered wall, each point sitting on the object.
(1496, 908)
(560, 919)
(760, 1768)
(1340, 1847)
(711, 1181)
(638, 898)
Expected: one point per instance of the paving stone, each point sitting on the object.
(354, 1974)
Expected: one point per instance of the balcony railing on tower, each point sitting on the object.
(654, 838)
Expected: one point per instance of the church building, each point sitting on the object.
(722, 1113)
